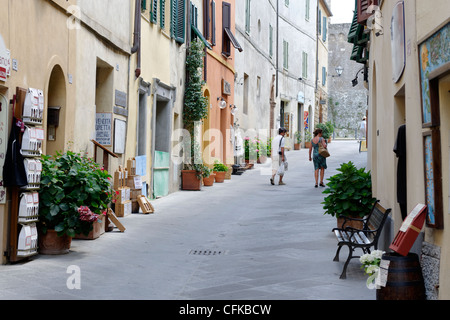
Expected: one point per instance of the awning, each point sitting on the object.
(199, 34)
(233, 39)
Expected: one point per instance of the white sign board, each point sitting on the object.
(5, 61)
(103, 128)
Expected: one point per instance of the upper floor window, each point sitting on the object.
(228, 37)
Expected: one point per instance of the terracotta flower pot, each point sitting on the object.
(97, 230)
(51, 243)
(209, 181)
(220, 176)
(190, 181)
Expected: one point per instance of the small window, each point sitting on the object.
(307, 5)
(285, 54)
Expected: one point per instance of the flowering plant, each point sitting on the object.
(371, 264)
(74, 192)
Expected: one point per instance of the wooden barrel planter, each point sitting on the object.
(405, 280)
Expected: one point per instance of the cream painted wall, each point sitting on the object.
(390, 102)
(37, 36)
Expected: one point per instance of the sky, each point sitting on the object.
(342, 11)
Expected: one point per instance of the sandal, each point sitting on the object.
(315, 186)
(271, 181)
(321, 184)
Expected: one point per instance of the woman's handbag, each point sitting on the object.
(323, 151)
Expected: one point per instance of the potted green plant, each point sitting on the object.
(349, 193)
(298, 140)
(325, 130)
(308, 138)
(250, 150)
(75, 193)
(195, 110)
(261, 151)
(208, 177)
(220, 170)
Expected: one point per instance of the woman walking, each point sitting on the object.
(320, 163)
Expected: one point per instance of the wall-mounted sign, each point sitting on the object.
(103, 128)
(226, 87)
(398, 41)
(5, 61)
(120, 134)
(121, 99)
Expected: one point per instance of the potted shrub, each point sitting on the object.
(308, 138)
(75, 193)
(219, 170)
(250, 152)
(325, 130)
(261, 151)
(195, 110)
(208, 177)
(298, 140)
(349, 193)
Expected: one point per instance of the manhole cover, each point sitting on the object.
(207, 252)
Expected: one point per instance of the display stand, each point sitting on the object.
(28, 107)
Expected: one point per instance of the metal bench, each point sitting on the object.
(364, 238)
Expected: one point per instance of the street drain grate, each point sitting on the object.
(207, 252)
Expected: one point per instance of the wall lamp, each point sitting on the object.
(222, 103)
(234, 109)
(355, 81)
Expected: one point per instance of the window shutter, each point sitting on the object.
(162, 10)
(270, 40)
(226, 23)
(206, 8)
(324, 76)
(247, 16)
(178, 20)
(154, 13)
(144, 5)
(324, 35)
(213, 23)
(363, 7)
(307, 10)
(319, 23)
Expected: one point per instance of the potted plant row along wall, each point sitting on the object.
(208, 177)
(75, 193)
(308, 138)
(195, 110)
(349, 193)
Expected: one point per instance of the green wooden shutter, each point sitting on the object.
(162, 11)
(319, 23)
(324, 76)
(154, 13)
(178, 14)
(144, 5)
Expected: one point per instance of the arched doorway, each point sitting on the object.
(56, 112)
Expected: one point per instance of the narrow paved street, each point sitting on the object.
(240, 240)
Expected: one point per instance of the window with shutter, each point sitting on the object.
(213, 23)
(324, 35)
(162, 11)
(307, 5)
(206, 19)
(154, 13)
(270, 40)
(319, 22)
(324, 76)
(285, 54)
(178, 17)
(247, 16)
(304, 65)
(364, 9)
(228, 37)
(143, 5)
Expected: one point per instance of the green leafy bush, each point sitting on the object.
(219, 167)
(349, 193)
(70, 182)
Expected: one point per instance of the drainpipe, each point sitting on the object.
(137, 37)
